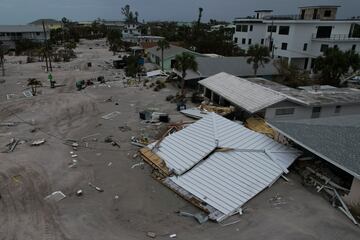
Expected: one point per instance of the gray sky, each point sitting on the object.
(25, 11)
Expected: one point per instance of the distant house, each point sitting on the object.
(154, 55)
(271, 100)
(11, 33)
(237, 66)
(333, 139)
(49, 23)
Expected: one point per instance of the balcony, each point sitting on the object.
(334, 37)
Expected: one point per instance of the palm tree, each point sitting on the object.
(34, 83)
(200, 16)
(184, 62)
(258, 56)
(162, 45)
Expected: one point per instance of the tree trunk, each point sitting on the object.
(2, 66)
(162, 59)
(255, 67)
(183, 85)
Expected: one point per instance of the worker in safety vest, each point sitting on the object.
(52, 83)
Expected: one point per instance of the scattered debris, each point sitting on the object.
(325, 184)
(109, 164)
(229, 224)
(72, 165)
(28, 93)
(89, 136)
(140, 142)
(12, 145)
(55, 196)
(111, 116)
(151, 234)
(95, 187)
(74, 155)
(201, 218)
(79, 193)
(110, 139)
(277, 200)
(137, 165)
(172, 236)
(38, 142)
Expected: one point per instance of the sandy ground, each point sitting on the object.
(142, 204)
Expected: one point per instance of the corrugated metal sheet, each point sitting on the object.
(182, 150)
(249, 96)
(224, 180)
(228, 180)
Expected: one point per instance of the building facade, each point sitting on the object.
(299, 38)
(9, 34)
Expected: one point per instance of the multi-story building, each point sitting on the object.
(299, 38)
(9, 34)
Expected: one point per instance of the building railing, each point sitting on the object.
(283, 17)
(335, 37)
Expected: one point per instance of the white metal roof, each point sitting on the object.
(224, 180)
(249, 96)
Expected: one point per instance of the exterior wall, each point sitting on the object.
(302, 112)
(309, 13)
(9, 39)
(354, 196)
(301, 32)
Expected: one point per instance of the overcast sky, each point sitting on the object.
(25, 11)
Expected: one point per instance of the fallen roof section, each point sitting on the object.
(219, 165)
(243, 93)
(334, 139)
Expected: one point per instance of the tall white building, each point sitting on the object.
(299, 38)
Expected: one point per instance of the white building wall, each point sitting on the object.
(303, 112)
(301, 32)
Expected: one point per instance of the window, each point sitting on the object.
(327, 13)
(272, 28)
(249, 41)
(323, 47)
(241, 28)
(284, 46)
(323, 32)
(353, 47)
(284, 111)
(337, 109)
(262, 41)
(284, 30)
(251, 28)
(243, 41)
(305, 47)
(336, 46)
(316, 112)
(236, 40)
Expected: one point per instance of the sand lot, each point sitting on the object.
(132, 203)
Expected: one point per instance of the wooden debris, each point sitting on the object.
(154, 160)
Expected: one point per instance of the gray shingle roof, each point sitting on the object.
(46, 21)
(335, 139)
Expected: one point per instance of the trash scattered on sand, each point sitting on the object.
(137, 165)
(151, 234)
(95, 187)
(38, 142)
(79, 193)
(199, 217)
(55, 196)
(12, 145)
(111, 116)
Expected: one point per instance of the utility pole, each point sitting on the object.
(47, 55)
